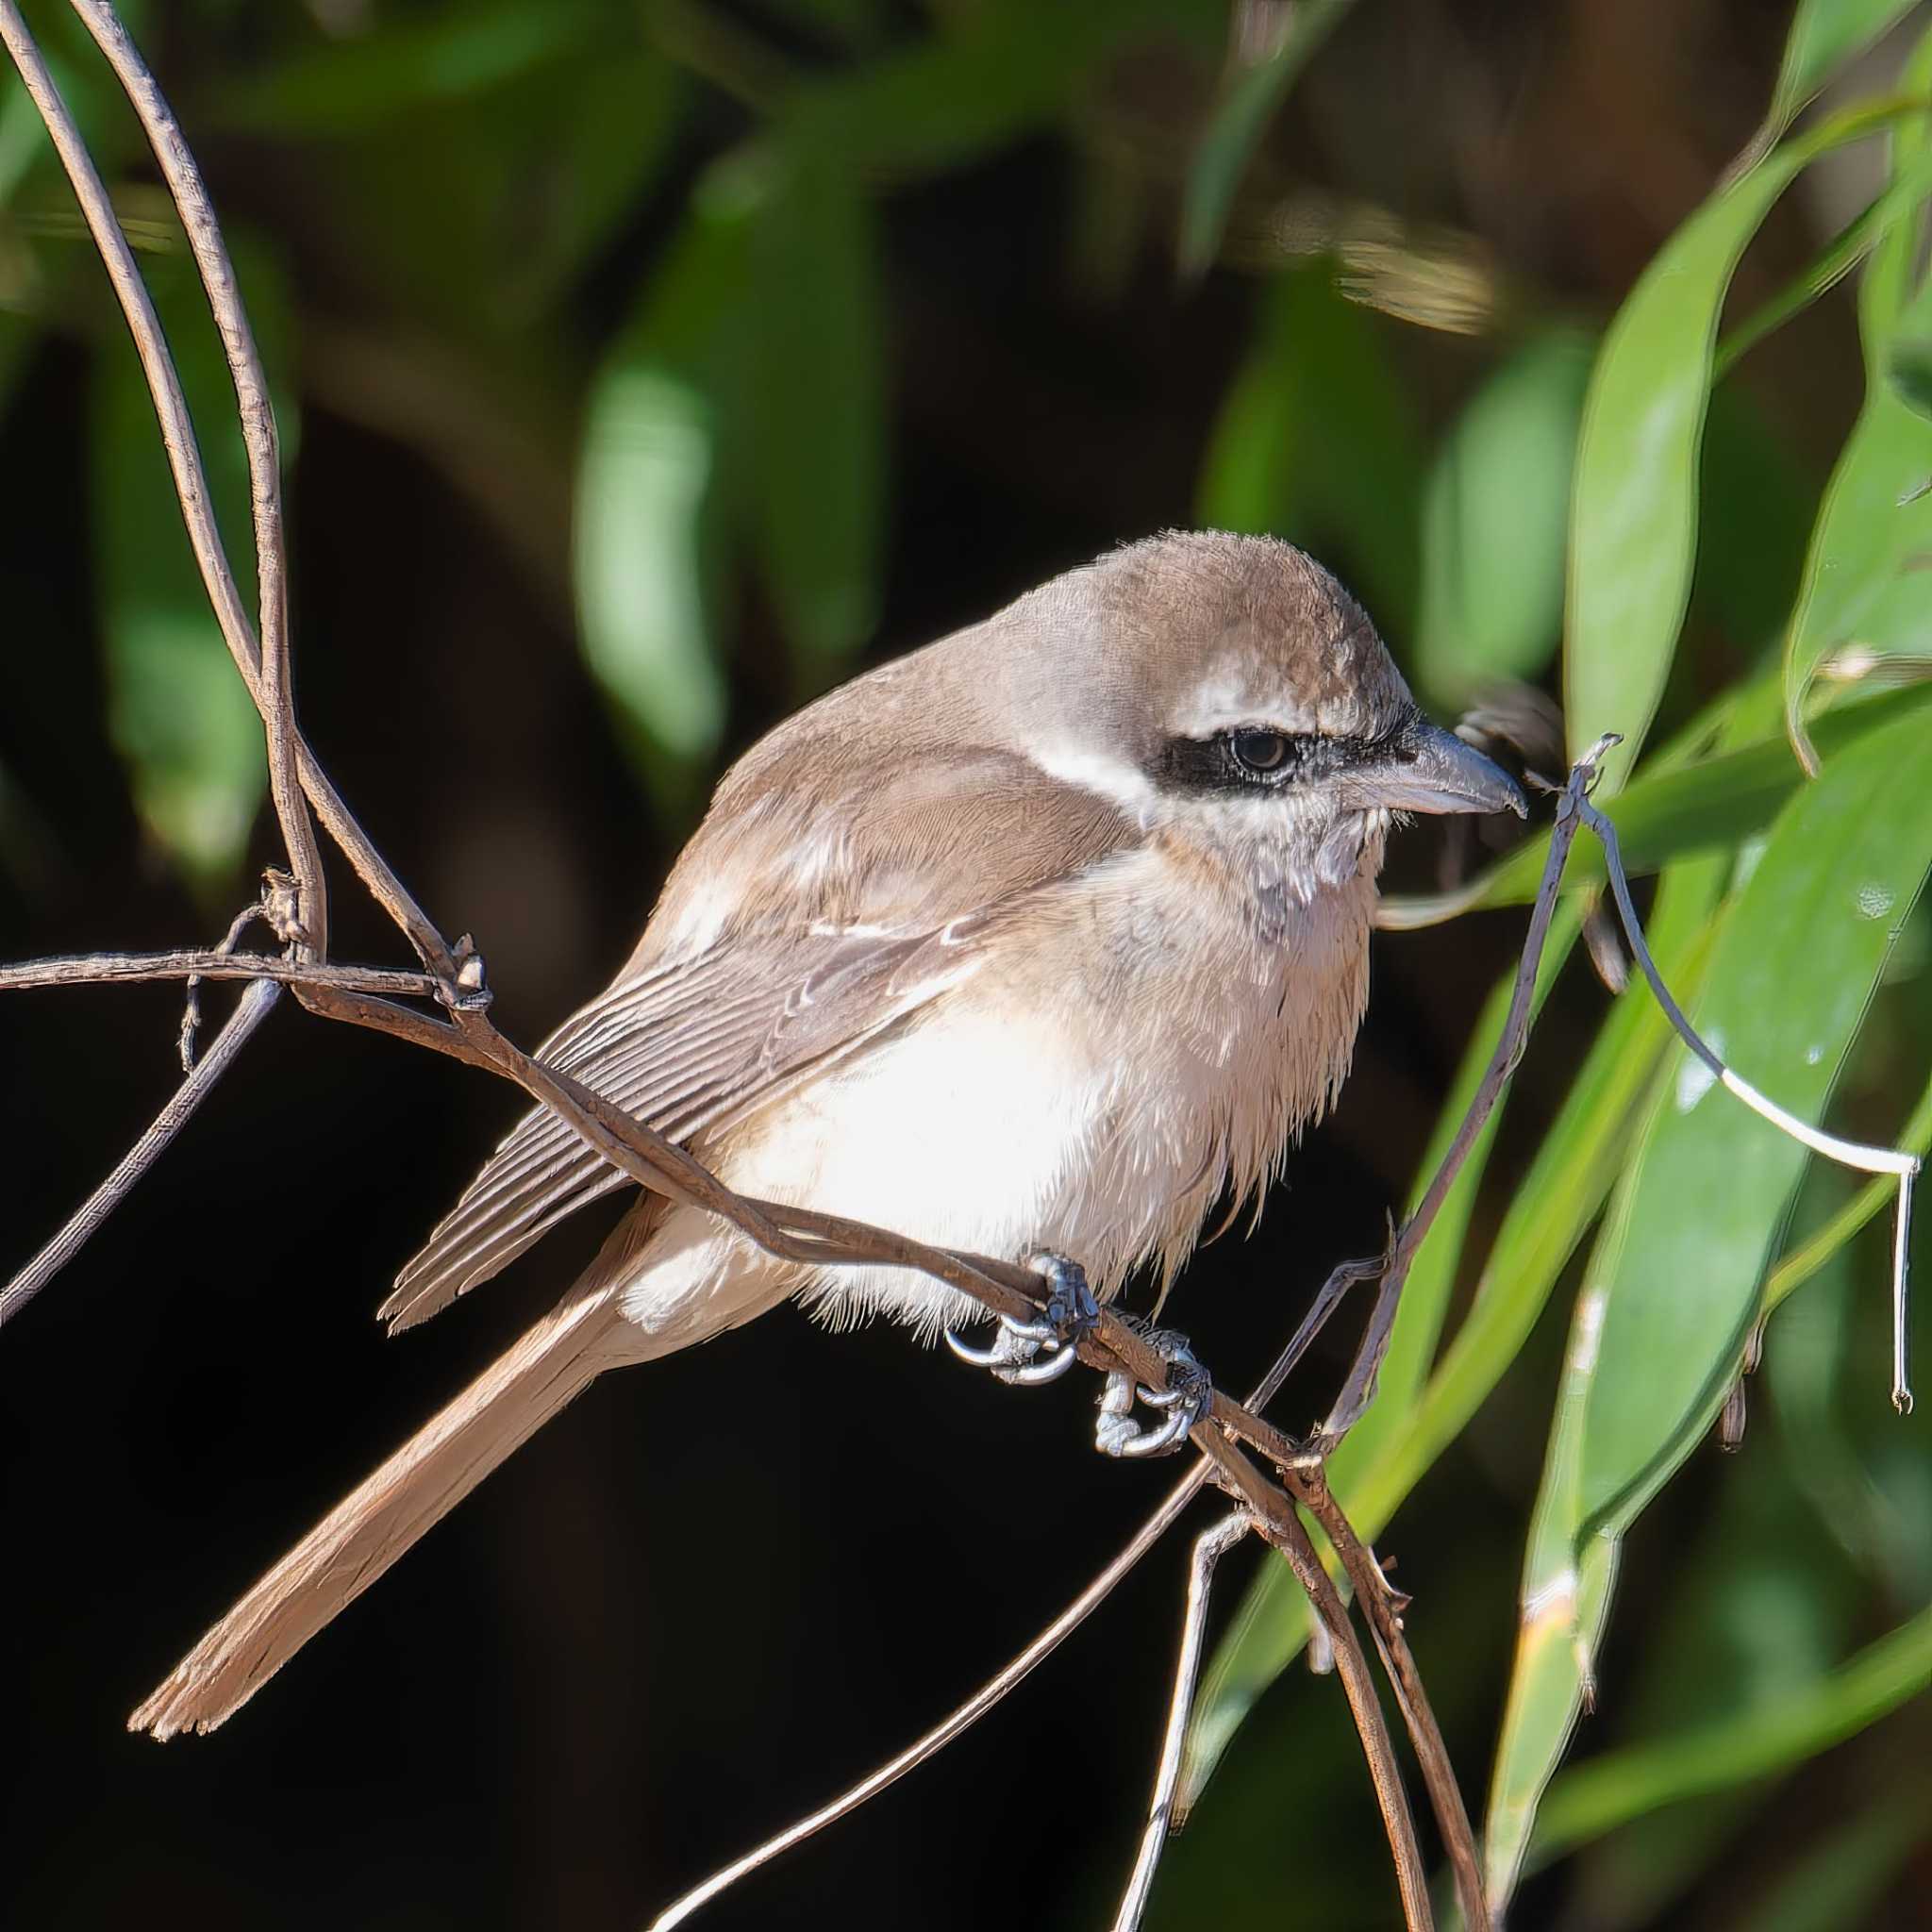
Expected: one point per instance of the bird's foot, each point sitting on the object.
(1060, 1328)
(1184, 1402)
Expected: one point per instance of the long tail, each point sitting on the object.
(364, 1534)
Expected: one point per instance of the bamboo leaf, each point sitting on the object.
(648, 498)
(1674, 1281)
(1598, 1797)
(1634, 511)
(1495, 517)
(1874, 529)
(1824, 34)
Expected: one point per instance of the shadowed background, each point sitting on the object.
(620, 419)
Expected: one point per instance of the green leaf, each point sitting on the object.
(178, 712)
(656, 433)
(1909, 370)
(1634, 510)
(1823, 34)
(1495, 522)
(818, 413)
(1249, 100)
(1674, 1285)
(1551, 1211)
(1599, 1797)
(1875, 524)
(1319, 442)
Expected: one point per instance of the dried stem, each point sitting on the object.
(1359, 1389)
(121, 969)
(990, 1693)
(199, 1084)
(190, 481)
(1007, 1680)
(1210, 1547)
(277, 699)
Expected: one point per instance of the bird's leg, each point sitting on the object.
(1066, 1322)
(1185, 1400)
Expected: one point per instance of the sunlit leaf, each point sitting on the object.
(1249, 101)
(1823, 35)
(1553, 1207)
(656, 431)
(1674, 1284)
(1495, 524)
(178, 713)
(1634, 510)
(817, 413)
(1875, 524)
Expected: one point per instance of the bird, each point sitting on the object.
(1038, 942)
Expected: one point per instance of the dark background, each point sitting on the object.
(718, 1589)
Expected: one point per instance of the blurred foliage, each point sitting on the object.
(617, 274)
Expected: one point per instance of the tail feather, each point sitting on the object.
(364, 1534)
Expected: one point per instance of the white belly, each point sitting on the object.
(1090, 1102)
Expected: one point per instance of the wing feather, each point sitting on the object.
(709, 1052)
(911, 879)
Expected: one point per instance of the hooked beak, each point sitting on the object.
(1424, 767)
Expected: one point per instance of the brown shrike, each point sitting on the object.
(1038, 941)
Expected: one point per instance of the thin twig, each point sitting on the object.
(1359, 1389)
(121, 969)
(246, 1017)
(1282, 1527)
(1383, 1607)
(963, 1718)
(190, 1003)
(190, 481)
(997, 1686)
(1210, 1547)
(1851, 1154)
(256, 412)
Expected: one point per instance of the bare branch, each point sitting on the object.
(983, 1700)
(1282, 1527)
(121, 969)
(1359, 1389)
(199, 1084)
(190, 481)
(1383, 1607)
(996, 1688)
(1210, 1547)
(277, 701)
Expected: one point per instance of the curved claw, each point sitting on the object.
(1163, 1398)
(1158, 1441)
(1049, 1368)
(975, 1357)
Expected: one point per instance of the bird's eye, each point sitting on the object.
(1259, 751)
